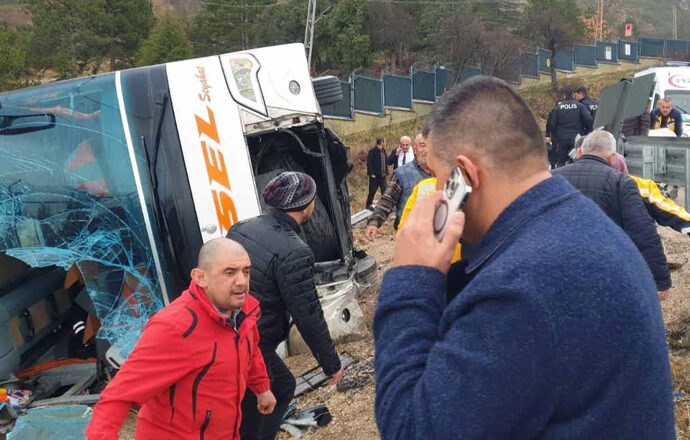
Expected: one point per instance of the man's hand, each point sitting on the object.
(371, 232)
(397, 152)
(663, 294)
(416, 244)
(266, 402)
(336, 378)
(373, 176)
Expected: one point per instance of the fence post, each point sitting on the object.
(687, 179)
(648, 163)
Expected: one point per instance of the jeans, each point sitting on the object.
(256, 426)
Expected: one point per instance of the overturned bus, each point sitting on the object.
(110, 184)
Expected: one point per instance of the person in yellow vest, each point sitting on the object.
(663, 210)
(422, 189)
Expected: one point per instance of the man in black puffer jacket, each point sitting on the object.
(618, 196)
(282, 277)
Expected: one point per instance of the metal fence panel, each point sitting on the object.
(676, 48)
(652, 47)
(607, 52)
(544, 60)
(565, 60)
(423, 85)
(342, 109)
(629, 50)
(469, 72)
(397, 91)
(530, 65)
(444, 78)
(368, 95)
(586, 55)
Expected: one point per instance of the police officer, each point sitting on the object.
(570, 118)
(581, 95)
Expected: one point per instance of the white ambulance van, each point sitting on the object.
(672, 81)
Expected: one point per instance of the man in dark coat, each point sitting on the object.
(570, 119)
(583, 97)
(377, 170)
(282, 277)
(618, 196)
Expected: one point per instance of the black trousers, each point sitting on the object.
(375, 184)
(256, 426)
(561, 154)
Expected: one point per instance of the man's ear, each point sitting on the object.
(199, 277)
(578, 153)
(470, 170)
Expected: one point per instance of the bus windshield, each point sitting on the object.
(69, 198)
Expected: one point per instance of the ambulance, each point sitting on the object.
(109, 185)
(672, 81)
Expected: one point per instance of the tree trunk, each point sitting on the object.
(554, 76)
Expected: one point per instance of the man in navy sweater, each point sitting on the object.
(536, 333)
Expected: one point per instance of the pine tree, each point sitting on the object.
(168, 41)
(553, 24)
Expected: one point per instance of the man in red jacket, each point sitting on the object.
(194, 360)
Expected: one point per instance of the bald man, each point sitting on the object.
(195, 359)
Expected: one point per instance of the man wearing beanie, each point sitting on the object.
(283, 282)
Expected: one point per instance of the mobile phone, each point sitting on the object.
(455, 194)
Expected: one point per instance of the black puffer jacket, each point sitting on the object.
(618, 196)
(282, 279)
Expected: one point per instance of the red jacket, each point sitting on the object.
(188, 372)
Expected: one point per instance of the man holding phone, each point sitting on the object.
(531, 336)
(403, 154)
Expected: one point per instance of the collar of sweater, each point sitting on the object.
(594, 158)
(533, 202)
(282, 217)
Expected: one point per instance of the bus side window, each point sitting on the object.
(656, 98)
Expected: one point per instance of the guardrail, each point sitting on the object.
(660, 159)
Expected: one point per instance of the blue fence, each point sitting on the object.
(373, 95)
(652, 47)
(676, 48)
(629, 51)
(607, 52)
(565, 60)
(368, 95)
(469, 72)
(397, 91)
(444, 78)
(530, 65)
(423, 84)
(586, 55)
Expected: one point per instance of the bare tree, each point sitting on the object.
(501, 54)
(392, 31)
(460, 43)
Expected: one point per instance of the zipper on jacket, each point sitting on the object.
(249, 348)
(172, 402)
(207, 420)
(197, 379)
(239, 368)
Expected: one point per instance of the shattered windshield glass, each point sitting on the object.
(68, 198)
